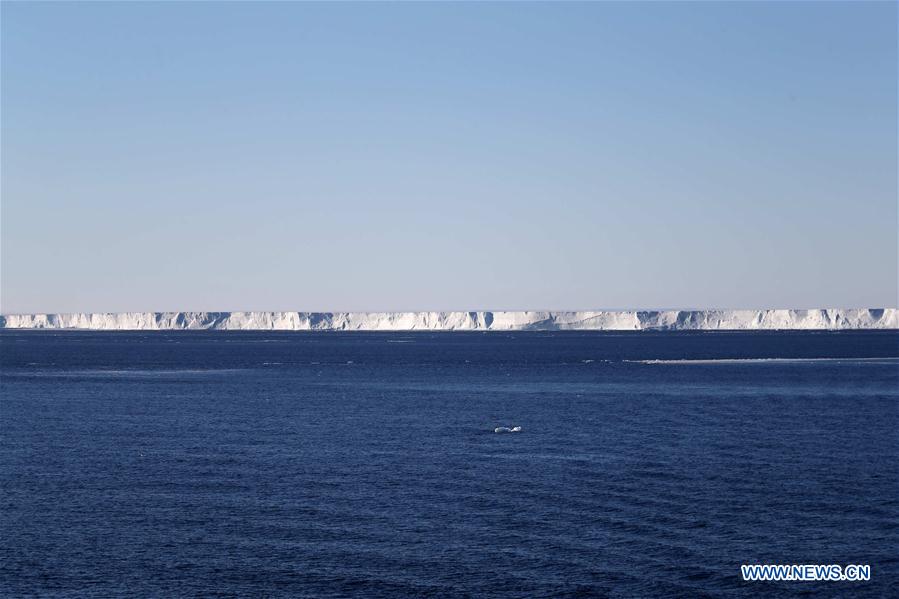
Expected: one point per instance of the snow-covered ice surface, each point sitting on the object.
(663, 320)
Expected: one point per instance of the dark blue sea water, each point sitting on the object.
(192, 463)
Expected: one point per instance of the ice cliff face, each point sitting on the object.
(667, 320)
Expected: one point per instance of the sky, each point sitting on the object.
(425, 156)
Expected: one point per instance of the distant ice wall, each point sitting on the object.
(666, 320)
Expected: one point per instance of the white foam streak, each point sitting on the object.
(761, 360)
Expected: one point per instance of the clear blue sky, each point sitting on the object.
(228, 156)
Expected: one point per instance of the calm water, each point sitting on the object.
(366, 464)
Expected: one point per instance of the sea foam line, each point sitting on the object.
(888, 359)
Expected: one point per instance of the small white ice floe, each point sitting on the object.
(506, 429)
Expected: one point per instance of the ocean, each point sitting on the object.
(366, 464)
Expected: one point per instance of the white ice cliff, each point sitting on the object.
(665, 320)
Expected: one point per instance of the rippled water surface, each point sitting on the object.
(366, 464)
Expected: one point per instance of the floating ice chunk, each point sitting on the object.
(506, 429)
